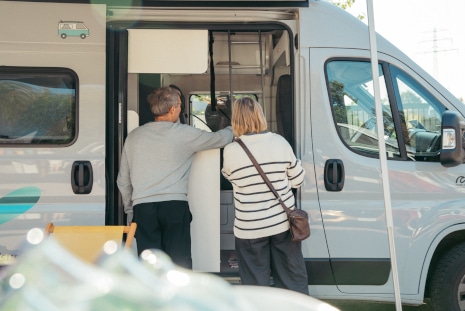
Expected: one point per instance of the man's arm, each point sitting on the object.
(209, 140)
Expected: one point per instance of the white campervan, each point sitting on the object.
(66, 107)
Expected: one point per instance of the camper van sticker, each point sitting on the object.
(72, 29)
(18, 202)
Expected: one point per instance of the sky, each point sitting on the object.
(430, 32)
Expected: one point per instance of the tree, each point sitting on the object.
(408, 97)
(345, 4)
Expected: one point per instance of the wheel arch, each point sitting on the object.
(443, 242)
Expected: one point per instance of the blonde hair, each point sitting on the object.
(247, 117)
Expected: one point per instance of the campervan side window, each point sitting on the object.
(351, 93)
(417, 129)
(37, 106)
(420, 117)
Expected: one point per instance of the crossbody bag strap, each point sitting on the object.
(262, 173)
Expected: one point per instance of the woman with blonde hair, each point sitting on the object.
(262, 238)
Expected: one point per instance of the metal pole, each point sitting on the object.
(382, 152)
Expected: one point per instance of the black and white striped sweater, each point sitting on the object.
(258, 212)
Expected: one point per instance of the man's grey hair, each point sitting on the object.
(162, 99)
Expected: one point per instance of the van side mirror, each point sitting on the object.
(453, 139)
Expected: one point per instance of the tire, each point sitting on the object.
(63, 36)
(83, 36)
(447, 285)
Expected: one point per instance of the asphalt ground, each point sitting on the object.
(374, 306)
(349, 305)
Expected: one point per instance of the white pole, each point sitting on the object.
(382, 152)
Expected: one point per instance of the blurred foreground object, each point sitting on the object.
(46, 276)
(86, 242)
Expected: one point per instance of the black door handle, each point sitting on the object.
(334, 175)
(82, 177)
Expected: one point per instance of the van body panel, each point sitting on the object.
(316, 31)
(48, 168)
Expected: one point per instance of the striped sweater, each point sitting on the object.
(258, 212)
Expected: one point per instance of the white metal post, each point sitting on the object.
(382, 152)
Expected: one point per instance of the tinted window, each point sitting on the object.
(353, 105)
(420, 117)
(37, 106)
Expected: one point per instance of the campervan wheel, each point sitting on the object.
(448, 281)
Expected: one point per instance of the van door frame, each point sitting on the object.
(117, 105)
(116, 129)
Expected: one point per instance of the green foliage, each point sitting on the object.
(345, 4)
(408, 97)
(337, 97)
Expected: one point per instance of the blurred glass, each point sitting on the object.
(48, 277)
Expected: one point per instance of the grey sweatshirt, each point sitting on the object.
(156, 161)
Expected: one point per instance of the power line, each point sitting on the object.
(435, 48)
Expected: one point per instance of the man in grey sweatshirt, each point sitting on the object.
(154, 174)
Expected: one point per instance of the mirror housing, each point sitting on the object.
(453, 139)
